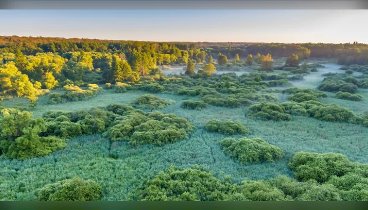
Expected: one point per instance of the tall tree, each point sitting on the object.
(222, 59)
(249, 60)
(292, 60)
(237, 58)
(266, 62)
(190, 68)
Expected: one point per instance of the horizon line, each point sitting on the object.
(160, 41)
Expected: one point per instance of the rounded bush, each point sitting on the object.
(319, 167)
(75, 189)
(194, 105)
(248, 150)
(226, 127)
(269, 111)
(348, 96)
(150, 102)
(191, 184)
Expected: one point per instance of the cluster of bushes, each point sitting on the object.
(74, 93)
(335, 83)
(150, 102)
(300, 95)
(227, 127)
(70, 124)
(192, 104)
(191, 184)
(348, 96)
(151, 87)
(318, 110)
(319, 167)
(75, 189)
(121, 87)
(251, 150)
(151, 128)
(323, 177)
(269, 111)
(23, 137)
(225, 100)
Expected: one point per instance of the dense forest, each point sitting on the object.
(86, 119)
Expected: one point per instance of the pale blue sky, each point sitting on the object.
(191, 25)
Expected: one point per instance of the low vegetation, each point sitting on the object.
(251, 150)
(348, 96)
(150, 102)
(269, 111)
(193, 104)
(75, 189)
(227, 127)
(152, 128)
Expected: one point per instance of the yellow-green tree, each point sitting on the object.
(266, 62)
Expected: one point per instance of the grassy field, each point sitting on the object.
(122, 173)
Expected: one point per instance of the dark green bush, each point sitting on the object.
(150, 102)
(300, 95)
(192, 184)
(152, 87)
(325, 192)
(21, 136)
(253, 150)
(348, 96)
(191, 104)
(75, 189)
(269, 111)
(333, 84)
(319, 167)
(260, 191)
(329, 112)
(152, 128)
(227, 127)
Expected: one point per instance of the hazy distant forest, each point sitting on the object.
(85, 119)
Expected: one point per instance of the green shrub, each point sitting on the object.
(121, 87)
(269, 111)
(353, 186)
(224, 101)
(294, 108)
(329, 112)
(20, 136)
(192, 184)
(74, 93)
(348, 96)
(325, 192)
(248, 150)
(300, 95)
(226, 127)
(333, 84)
(152, 128)
(190, 104)
(150, 102)
(152, 87)
(75, 189)
(260, 191)
(319, 167)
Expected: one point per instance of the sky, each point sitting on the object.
(225, 25)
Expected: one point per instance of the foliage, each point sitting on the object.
(301, 95)
(74, 93)
(227, 127)
(248, 150)
(75, 189)
(192, 104)
(292, 60)
(191, 184)
(21, 136)
(222, 59)
(348, 96)
(208, 70)
(190, 68)
(320, 167)
(150, 102)
(269, 111)
(335, 84)
(151, 128)
(266, 62)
